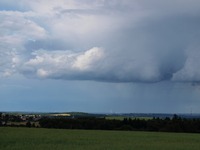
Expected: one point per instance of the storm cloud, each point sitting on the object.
(110, 41)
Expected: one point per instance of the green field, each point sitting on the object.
(122, 118)
(57, 139)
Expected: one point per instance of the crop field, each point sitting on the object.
(122, 118)
(59, 139)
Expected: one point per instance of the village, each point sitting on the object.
(18, 119)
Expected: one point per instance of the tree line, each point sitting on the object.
(174, 124)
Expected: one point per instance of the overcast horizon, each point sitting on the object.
(120, 56)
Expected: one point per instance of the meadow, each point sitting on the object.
(60, 139)
(122, 118)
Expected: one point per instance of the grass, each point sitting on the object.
(122, 118)
(115, 117)
(58, 139)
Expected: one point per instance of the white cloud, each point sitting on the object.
(95, 64)
(63, 64)
(133, 41)
(17, 24)
(15, 30)
(88, 59)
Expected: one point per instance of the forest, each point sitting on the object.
(168, 124)
(174, 124)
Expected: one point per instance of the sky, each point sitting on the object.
(113, 56)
